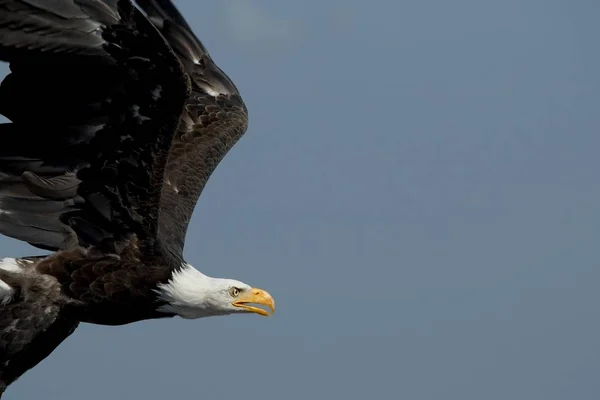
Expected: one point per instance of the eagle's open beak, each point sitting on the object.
(255, 296)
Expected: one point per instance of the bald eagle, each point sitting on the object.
(118, 116)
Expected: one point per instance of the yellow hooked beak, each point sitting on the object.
(255, 296)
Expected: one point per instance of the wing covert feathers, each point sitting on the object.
(214, 119)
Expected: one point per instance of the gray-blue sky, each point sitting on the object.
(419, 189)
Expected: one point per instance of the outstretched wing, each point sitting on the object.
(214, 119)
(94, 98)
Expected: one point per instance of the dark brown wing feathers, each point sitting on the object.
(209, 129)
(114, 125)
(214, 119)
(92, 166)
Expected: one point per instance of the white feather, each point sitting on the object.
(6, 291)
(10, 264)
(191, 294)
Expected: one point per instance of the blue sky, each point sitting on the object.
(419, 189)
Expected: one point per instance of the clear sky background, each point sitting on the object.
(419, 189)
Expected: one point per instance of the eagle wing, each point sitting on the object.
(214, 119)
(94, 98)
